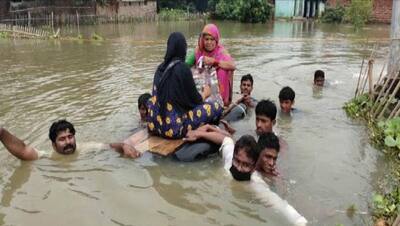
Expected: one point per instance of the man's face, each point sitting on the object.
(143, 112)
(246, 87)
(209, 42)
(65, 142)
(267, 161)
(263, 124)
(242, 162)
(319, 81)
(286, 105)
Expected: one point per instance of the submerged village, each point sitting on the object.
(202, 112)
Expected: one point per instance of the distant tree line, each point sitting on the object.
(249, 11)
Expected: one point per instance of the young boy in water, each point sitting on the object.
(269, 146)
(142, 106)
(265, 116)
(239, 108)
(319, 78)
(286, 99)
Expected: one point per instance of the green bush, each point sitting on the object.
(334, 15)
(248, 11)
(359, 12)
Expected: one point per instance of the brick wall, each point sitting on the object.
(333, 3)
(382, 11)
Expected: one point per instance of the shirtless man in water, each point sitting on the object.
(62, 136)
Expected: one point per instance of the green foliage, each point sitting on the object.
(391, 131)
(334, 15)
(97, 37)
(359, 12)
(186, 5)
(4, 35)
(100, 2)
(386, 206)
(249, 11)
(359, 106)
(172, 14)
(211, 5)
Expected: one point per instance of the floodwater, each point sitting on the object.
(328, 165)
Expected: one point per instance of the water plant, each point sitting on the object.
(4, 35)
(97, 37)
(358, 106)
(172, 14)
(386, 206)
(391, 130)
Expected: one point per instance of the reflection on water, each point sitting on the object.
(327, 166)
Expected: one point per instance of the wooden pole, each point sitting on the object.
(370, 82)
(395, 110)
(395, 36)
(29, 18)
(52, 21)
(77, 21)
(390, 100)
(359, 78)
(397, 221)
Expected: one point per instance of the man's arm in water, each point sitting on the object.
(126, 150)
(17, 147)
(207, 132)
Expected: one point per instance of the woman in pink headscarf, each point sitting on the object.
(214, 54)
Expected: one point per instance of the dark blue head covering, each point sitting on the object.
(173, 78)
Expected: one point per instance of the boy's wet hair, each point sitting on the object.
(59, 126)
(143, 99)
(266, 108)
(287, 93)
(268, 140)
(248, 144)
(247, 77)
(319, 74)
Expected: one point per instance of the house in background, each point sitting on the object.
(129, 9)
(299, 8)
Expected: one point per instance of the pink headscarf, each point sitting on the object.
(225, 77)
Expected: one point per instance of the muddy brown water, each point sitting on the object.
(328, 166)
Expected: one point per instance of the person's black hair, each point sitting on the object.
(268, 140)
(266, 108)
(319, 74)
(287, 93)
(59, 126)
(247, 77)
(249, 145)
(142, 100)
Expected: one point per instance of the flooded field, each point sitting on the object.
(328, 165)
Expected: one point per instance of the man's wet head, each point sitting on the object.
(245, 156)
(62, 136)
